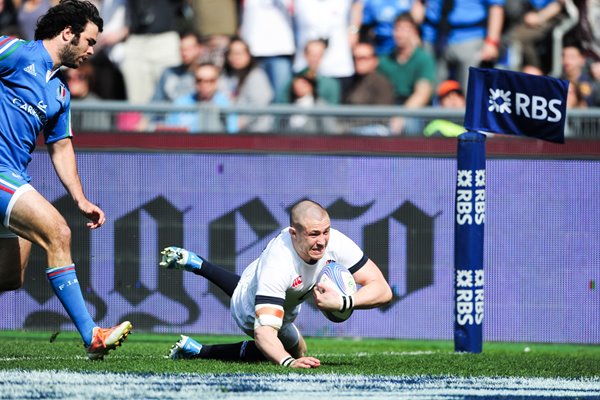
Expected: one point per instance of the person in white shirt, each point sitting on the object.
(267, 27)
(267, 298)
(337, 22)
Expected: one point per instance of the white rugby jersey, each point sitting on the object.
(279, 276)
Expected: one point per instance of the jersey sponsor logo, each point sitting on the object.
(531, 107)
(40, 114)
(30, 69)
(297, 282)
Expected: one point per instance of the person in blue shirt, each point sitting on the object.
(206, 92)
(462, 34)
(379, 17)
(34, 98)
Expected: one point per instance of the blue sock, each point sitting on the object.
(194, 262)
(66, 287)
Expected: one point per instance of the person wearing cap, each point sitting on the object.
(449, 95)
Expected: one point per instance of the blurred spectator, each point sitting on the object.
(152, 45)
(245, 83)
(303, 93)
(533, 32)
(80, 82)
(28, 14)
(115, 31)
(588, 29)
(410, 69)
(532, 70)
(206, 92)
(179, 81)
(328, 89)
(109, 51)
(215, 17)
(216, 20)
(461, 34)
(242, 79)
(595, 71)
(575, 97)
(379, 17)
(267, 27)
(368, 86)
(449, 95)
(588, 34)
(9, 24)
(577, 126)
(336, 21)
(574, 69)
(217, 46)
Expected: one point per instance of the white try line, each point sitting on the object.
(61, 384)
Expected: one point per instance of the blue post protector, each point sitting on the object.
(468, 243)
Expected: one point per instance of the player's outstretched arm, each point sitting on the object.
(375, 290)
(63, 160)
(270, 345)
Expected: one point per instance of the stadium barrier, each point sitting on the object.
(369, 121)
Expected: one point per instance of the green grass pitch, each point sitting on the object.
(146, 353)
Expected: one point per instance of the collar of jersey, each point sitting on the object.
(47, 61)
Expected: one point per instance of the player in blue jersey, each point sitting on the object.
(34, 98)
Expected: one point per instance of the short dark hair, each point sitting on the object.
(323, 41)
(406, 17)
(73, 13)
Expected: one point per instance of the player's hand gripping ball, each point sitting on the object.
(337, 277)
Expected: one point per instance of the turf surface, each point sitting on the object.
(146, 353)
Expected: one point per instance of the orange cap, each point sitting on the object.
(448, 86)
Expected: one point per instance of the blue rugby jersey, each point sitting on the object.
(33, 98)
(468, 19)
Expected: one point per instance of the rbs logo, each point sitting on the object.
(533, 107)
(470, 197)
(469, 297)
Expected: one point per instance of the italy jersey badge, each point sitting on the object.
(61, 93)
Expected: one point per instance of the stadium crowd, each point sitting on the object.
(311, 52)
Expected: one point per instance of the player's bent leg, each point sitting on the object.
(245, 351)
(178, 258)
(37, 220)
(187, 348)
(14, 255)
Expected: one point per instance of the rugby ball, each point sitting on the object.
(337, 277)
